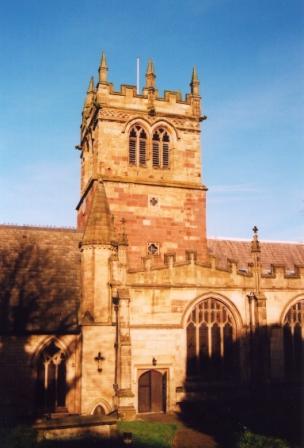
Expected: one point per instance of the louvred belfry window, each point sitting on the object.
(160, 149)
(137, 146)
(293, 331)
(211, 341)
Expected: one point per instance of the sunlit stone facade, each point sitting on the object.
(139, 306)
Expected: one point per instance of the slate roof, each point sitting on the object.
(39, 279)
(272, 253)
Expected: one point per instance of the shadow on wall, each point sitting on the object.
(224, 397)
(38, 298)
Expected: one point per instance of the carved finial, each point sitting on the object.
(150, 75)
(194, 84)
(91, 88)
(89, 97)
(103, 61)
(103, 69)
(194, 74)
(255, 244)
(150, 67)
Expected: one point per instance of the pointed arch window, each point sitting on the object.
(51, 379)
(137, 146)
(160, 148)
(211, 341)
(293, 331)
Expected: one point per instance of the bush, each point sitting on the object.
(251, 440)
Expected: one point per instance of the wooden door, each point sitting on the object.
(152, 386)
(144, 392)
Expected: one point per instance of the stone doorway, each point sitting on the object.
(152, 391)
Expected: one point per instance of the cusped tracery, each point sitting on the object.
(51, 387)
(160, 148)
(137, 146)
(293, 331)
(211, 341)
(154, 148)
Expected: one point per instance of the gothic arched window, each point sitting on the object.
(160, 148)
(293, 331)
(211, 341)
(51, 379)
(137, 146)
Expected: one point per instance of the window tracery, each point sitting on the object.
(139, 142)
(160, 148)
(137, 146)
(51, 378)
(211, 341)
(293, 331)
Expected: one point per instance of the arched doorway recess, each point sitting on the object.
(152, 388)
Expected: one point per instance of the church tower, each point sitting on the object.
(142, 206)
(145, 151)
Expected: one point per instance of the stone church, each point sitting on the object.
(136, 306)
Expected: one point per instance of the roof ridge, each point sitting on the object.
(37, 227)
(245, 240)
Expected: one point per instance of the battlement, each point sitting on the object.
(277, 272)
(168, 271)
(129, 90)
(147, 103)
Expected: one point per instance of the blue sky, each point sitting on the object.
(249, 56)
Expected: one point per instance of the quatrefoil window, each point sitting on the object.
(153, 249)
(153, 201)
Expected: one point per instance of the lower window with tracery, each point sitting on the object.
(51, 379)
(293, 330)
(212, 352)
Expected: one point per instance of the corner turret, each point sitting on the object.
(103, 69)
(150, 90)
(194, 84)
(150, 75)
(194, 96)
(89, 99)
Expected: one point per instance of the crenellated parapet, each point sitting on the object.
(148, 102)
(234, 273)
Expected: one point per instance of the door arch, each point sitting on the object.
(152, 391)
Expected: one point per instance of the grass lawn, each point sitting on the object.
(150, 434)
(145, 435)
